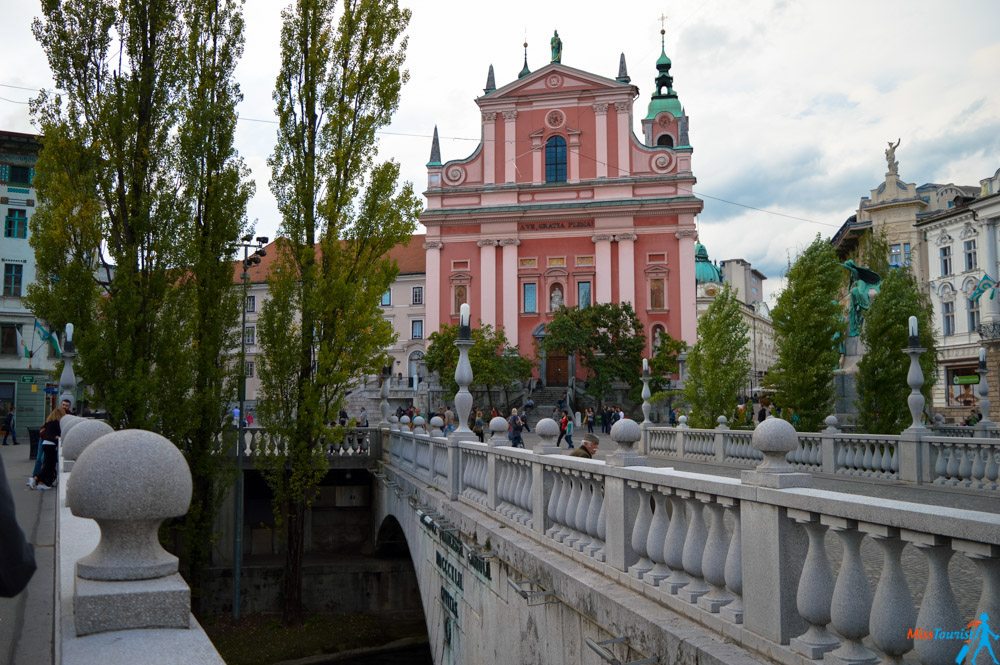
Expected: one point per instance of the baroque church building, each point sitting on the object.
(562, 204)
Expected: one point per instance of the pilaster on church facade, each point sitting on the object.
(562, 204)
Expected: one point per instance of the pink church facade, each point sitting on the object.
(562, 204)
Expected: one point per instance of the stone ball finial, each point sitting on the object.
(625, 433)
(722, 422)
(394, 423)
(404, 422)
(68, 422)
(129, 482)
(437, 422)
(418, 425)
(82, 435)
(775, 438)
(831, 424)
(682, 421)
(498, 429)
(547, 429)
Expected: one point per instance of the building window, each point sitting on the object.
(529, 298)
(251, 304)
(657, 295)
(250, 335)
(973, 316)
(8, 340)
(19, 175)
(970, 255)
(418, 296)
(416, 329)
(387, 298)
(15, 224)
(583, 294)
(665, 140)
(555, 159)
(899, 254)
(945, 261)
(461, 297)
(249, 370)
(13, 274)
(948, 324)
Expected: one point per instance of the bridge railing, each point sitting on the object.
(962, 462)
(357, 442)
(750, 558)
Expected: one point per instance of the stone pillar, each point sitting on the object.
(602, 260)
(432, 296)
(509, 147)
(601, 139)
(573, 165)
(488, 279)
(489, 148)
(510, 286)
(773, 548)
(626, 267)
(686, 307)
(129, 482)
(623, 111)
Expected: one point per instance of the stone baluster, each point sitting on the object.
(553, 508)
(734, 564)
(850, 608)
(565, 501)
(580, 519)
(938, 608)
(815, 593)
(694, 547)
(954, 463)
(602, 529)
(979, 465)
(503, 487)
(571, 507)
(673, 547)
(593, 515)
(639, 530)
(129, 482)
(713, 562)
(987, 560)
(525, 496)
(655, 540)
(992, 467)
(892, 608)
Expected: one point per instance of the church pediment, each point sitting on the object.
(554, 78)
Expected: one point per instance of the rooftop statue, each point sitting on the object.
(864, 285)
(556, 44)
(890, 157)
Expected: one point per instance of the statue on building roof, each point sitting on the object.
(890, 157)
(865, 284)
(556, 44)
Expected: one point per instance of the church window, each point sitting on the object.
(555, 159)
(583, 294)
(665, 140)
(657, 294)
(970, 255)
(529, 298)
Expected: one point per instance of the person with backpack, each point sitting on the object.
(515, 427)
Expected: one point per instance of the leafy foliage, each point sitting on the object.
(607, 340)
(882, 386)
(664, 365)
(718, 364)
(495, 363)
(341, 213)
(808, 324)
(142, 198)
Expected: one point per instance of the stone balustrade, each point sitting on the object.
(789, 572)
(962, 462)
(357, 442)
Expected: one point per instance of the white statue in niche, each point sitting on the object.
(556, 299)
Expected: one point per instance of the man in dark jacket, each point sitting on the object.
(17, 558)
(588, 448)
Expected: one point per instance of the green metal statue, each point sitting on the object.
(864, 284)
(556, 45)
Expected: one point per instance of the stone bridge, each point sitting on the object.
(530, 556)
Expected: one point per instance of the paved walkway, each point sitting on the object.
(26, 621)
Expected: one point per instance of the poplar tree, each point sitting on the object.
(341, 212)
(882, 386)
(141, 200)
(718, 365)
(808, 324)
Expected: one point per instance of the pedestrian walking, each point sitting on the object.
(9, 426)
(516, 425)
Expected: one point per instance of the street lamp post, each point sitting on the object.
(248, 243)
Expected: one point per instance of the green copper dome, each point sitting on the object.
(704, 270)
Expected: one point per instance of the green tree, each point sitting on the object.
(808, 323)
(663, 366)
(341, 212)
(607, 340)
(495, 363)
(142, 197)
(882, 386)
(718, 365)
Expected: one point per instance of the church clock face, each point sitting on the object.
(711, 290)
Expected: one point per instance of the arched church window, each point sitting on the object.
(555, 159)
(665, 140)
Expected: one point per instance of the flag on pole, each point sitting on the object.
(49, 337)
(985, 283)
(21, 345)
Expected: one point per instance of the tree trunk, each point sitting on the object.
(292, 587)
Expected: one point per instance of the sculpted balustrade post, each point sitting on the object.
(721, 433)
(542, 490)
(815, 590)
(773, 548)
(655, 540)
(694, 547)
(850, 607)
(734, 564)
(713, 562)
(828, 446)
(498, 429)
(640, 529)
(892, 608)
(938, 608)
(673, 547)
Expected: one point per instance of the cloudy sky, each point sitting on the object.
(791, 103)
